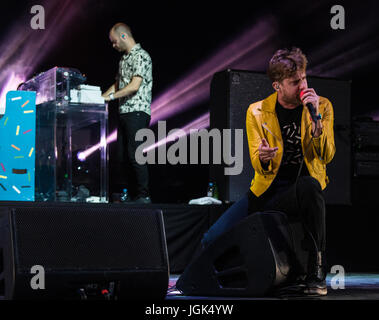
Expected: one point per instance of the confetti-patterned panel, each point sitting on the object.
(17, 147)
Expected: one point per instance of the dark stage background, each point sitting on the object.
(183, 35)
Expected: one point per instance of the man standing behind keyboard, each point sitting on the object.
(133, 89)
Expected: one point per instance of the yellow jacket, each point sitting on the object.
(262, 122)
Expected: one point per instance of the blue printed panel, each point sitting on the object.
(17, 147)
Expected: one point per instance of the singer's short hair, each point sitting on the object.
(285, 63)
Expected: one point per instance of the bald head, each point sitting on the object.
(120, 28)
(121, 37)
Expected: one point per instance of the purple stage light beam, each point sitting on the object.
(23, 48)
(349, 52)
(10, 84)
(341, 64)
(82, 156)
(199, 123)
(250, 50)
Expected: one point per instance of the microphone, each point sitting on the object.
(311, 109)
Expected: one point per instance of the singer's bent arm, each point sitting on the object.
(254, 138)
(324, 146)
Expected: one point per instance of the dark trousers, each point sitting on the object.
(301, 200)
(137, 175)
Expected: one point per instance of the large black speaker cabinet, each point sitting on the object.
(232, 91)
(83, 251)
(250, 260)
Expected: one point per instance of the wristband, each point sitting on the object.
(111, 96)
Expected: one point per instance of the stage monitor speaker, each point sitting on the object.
(250, 260)
(232, 92)
(82, 252)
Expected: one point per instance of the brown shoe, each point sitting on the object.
(316, 288)
(315, 282)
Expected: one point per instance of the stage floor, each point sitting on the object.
(358, 286)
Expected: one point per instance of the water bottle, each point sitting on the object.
(210, 190)
(124, 195)
(215, 191)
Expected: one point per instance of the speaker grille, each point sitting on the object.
(88, 239)
(232, 92)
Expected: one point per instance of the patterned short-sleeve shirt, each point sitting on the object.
(136, 63)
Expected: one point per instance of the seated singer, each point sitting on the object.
(289, 148)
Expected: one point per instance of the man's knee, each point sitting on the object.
(308, 190)
(204, 241)
(308, 185)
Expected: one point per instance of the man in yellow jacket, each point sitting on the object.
(289, 147)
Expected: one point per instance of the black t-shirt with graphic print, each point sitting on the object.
(290, 126)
